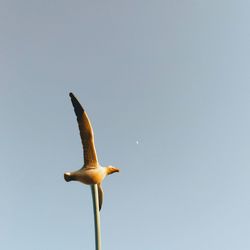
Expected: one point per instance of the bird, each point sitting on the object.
(92, 172)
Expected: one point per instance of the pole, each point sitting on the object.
(97, 222)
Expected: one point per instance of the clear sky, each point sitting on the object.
(171, 74)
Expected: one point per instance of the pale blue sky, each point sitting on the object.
(173, 75)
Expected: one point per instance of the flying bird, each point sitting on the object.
(92, 172)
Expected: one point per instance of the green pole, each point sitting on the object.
(97, 222)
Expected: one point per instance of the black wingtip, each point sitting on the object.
(77, 106)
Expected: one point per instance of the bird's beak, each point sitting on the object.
(116, 170)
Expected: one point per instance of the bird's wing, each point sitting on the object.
(86, 133)
(100, 195)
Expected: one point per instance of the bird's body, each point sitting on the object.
(92, 172)
(89, 176)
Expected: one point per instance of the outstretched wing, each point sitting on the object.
(100, 195)
(86, 133)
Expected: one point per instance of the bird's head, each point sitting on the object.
(111, 170)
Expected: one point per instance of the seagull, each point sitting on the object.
(92, 172)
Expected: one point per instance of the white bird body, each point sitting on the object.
(90, 175)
